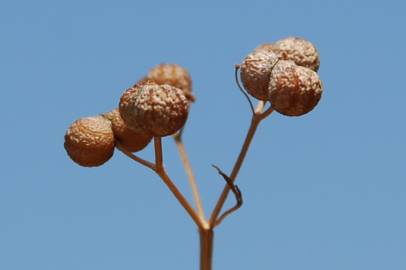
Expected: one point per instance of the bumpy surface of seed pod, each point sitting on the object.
(294, 90)
(298, 50)
(265, 46)
(89, 141)
(172, 74)
(131, 140)
(157, 110)
(255, 72)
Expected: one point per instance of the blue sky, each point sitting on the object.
(323, 191)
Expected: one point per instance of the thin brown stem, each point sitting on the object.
(266, 113)
(191, 178)
(182, 200)
(134, 157)
(160, 170)
(255, 121)
(206, 248)
(158, 152)
(237, 68)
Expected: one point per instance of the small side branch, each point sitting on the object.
(159, 169)
(191, 178)
(237, 194)
(237, 81)
(158, 153)
(255, 121)
(182, 200)
(143, 162)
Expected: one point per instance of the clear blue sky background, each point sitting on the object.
(324, 191)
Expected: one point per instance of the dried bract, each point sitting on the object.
(157, 110)
(89, 141)
(130, 139)
(294, 90)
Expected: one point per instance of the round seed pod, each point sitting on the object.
(294, 90)
(298, 50)
(265, 46)
(89, 141)
(157, 110)
(172, 74)
(131, 140)
(255, 71)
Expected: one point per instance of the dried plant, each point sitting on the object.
(281, 75)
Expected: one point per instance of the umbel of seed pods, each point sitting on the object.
(157, 105)
(284, 73)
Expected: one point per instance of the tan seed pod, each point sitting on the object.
(265, 46)
(157, 110)
(89, 141)
(255, 71)
(294, 90)
(298, 50)
(172, 74)
(131, 140)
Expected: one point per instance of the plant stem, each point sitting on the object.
(160, 170)
(134, 157)
(206, 248)
(158, 152)
(182, 200)
(191, 177)
(256, 119)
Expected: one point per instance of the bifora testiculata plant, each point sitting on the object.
(281, 75)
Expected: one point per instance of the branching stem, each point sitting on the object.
(159, 169)
(255, 121)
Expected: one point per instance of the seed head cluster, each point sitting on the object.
(284, 73)
(157, 105)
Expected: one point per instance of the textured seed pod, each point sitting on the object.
(294, 90)
(89, 141)
(265, 46)
(255, 71)
(157, 110)
(298, 50)
(171, 74)
(131, 140)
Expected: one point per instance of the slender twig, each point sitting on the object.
(237, 68)
(158, 152)
(158, 168)
(182, 200)
(191, 178)
(234, 188)
(255, 121)
(237, 194)
(134, 157)
(227, 213)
